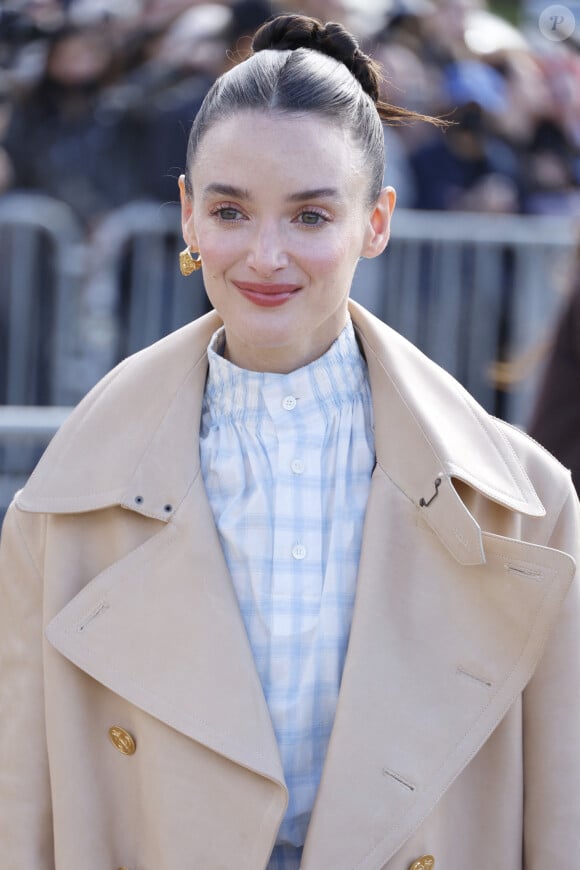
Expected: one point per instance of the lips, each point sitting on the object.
(266, 295)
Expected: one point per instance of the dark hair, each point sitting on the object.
(301, 65)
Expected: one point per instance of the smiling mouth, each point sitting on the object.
(266, 295)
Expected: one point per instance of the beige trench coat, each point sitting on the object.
(458, 723)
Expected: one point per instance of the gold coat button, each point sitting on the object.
(427, 862)
(122, 740)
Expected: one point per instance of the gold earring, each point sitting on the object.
(188, 263)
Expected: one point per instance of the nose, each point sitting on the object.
(267, 253)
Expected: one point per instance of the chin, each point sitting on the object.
(268, 327)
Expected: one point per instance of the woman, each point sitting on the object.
(179, 575)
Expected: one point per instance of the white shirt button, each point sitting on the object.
(289, 403)
(297, 466)
(299, 551)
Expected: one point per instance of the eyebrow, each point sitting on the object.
(315, 193)
(227, 190)
(240, 193)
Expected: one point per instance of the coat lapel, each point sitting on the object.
(162, 628)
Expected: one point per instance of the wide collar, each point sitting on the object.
(139, 430)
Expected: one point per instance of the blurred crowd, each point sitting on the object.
(97, 96)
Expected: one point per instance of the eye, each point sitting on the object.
(227, 213)
(312, 218)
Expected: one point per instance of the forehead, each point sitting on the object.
(255, 147)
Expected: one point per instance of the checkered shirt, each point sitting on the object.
(287, 461)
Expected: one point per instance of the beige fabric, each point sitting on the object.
(459, 711)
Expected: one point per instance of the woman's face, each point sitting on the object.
(280, 216)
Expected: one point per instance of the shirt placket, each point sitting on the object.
(297, 574)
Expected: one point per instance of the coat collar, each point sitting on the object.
(426, 416)
(140, 427)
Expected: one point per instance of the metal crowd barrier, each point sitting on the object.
(134, 278)
(41, 256)
(478, 294)
(42, 248)
(474, 292)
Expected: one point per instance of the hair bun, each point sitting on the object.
(289, 32)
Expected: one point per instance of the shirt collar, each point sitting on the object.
(337, 377)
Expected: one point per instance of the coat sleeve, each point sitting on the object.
(551, 725)
(25, 804)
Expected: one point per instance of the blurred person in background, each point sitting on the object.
(551, 177)
(169, 88)
(454, 58)
(104, 121)
(444, 28)
(471, 168)
(59, 140)
(552, 160)
(431, 67)
(408, 79)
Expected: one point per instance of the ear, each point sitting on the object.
(379, 228)
(187, 227)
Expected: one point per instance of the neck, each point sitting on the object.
(281, 359)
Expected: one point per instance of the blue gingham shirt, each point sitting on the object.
(287, 461)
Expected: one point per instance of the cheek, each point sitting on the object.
(331, 255)
(218, 250)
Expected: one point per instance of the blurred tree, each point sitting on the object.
(508, 9)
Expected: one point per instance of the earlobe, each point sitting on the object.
(380, 223)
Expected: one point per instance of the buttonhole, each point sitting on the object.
(398, 778)
(481, 680)
(524, 572)
(93, 615)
